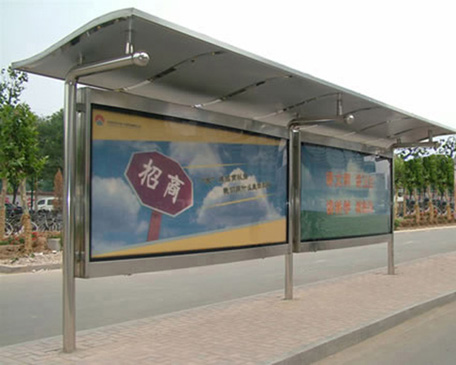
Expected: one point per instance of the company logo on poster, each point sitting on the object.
(99, 120)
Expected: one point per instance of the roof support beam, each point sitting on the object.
(138, 59)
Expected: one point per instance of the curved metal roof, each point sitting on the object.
(190, 69)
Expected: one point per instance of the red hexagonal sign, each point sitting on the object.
(160, 182)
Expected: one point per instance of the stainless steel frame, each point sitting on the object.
(91, 269)
(142, 104)
(149, 264)
(294, 220)
(81, 216)
(312, 246)
(391, 241)
(173, 46)
(87, 269)
(138, 103)
(72, 185)
(294, 205)
(69, 318)
(308, 137)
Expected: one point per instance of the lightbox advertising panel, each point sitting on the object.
(162, 186)
(344, 194)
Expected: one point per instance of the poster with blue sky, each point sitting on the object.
(238, 182)
(344, 194)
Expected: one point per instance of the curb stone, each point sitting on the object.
(6, 269)
(339, 342)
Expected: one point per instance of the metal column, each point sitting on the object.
(454, 191)
(391, 241)
(69, 207)
(294, 206)
(69, 322)
(294, 189)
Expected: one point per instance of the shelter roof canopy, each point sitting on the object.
(193, 70)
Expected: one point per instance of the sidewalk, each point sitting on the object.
(324, 318)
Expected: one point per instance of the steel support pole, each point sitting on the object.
(69, 206)
(454, 190)
(294, 206)
(391, 241)
(69, 320)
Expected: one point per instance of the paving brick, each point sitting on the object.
(253, 330)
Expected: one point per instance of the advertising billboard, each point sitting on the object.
(163, 186)
(344, 194)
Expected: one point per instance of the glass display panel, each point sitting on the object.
(343, 194)
(162, 186)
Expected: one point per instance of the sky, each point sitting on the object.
(399, 52)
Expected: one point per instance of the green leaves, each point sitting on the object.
(434, 171)
(447, 147)
(11, 86)
(19, 157)
(50, 136)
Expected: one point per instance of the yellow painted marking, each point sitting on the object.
(131, 127)
(263, 233)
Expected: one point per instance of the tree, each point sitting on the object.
(22, 152)
(58, 191)
(399, 182)
(50, 135)
(430, 174)
(447, 147)
(11, 86)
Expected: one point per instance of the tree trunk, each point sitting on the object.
(2, 208)
(26, 220)
(417, 209)
(404, 206)
(14, 193)
(35, 203)
(32, 194)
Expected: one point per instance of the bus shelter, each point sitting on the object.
(182, 151)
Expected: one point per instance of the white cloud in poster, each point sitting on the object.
(140, 146)
(115, 207)
(101, 246)
(142, 228)
(197, 154)
(217, 216)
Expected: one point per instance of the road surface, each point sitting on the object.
(30, 304)
(427, 339)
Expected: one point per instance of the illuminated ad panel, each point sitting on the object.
(344, 194)
(162, 186)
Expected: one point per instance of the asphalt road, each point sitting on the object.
(30, 304)
(424, 340)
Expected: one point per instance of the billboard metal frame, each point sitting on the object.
(294, 220)
(77, 261)
(77, 191)
(89, 269)
(85, 268)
